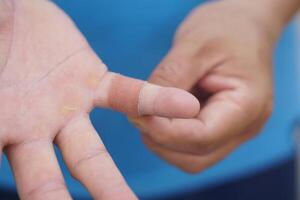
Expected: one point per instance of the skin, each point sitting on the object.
(50, 79)
(222, 53)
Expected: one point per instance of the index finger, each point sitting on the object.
(138, 98)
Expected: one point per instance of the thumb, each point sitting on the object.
(137, 98)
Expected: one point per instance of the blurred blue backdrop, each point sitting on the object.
(131, 37)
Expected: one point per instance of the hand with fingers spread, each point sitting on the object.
(50, 79)
(222, 53)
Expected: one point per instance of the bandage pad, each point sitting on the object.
(124, 94)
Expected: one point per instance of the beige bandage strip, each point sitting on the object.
(147, 99)
(124, 94)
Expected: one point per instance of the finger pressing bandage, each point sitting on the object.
(137, 98)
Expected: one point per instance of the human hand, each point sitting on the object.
(222, 53)
(50, 79)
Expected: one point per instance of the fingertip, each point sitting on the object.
(167, 102)
(184, 103)
(178, 103)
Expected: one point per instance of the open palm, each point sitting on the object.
(50, 79)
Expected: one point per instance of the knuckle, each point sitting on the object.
(266, 114)
(263, 102)
(47, 187)
(205, 148)
(201, 143)
(99, 152)
(164, 139)
(264, 108)
(247, 104)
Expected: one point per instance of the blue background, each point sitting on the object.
(131, 37)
